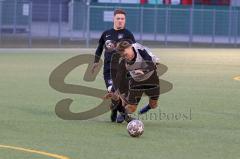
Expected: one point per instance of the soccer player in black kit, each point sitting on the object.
(136, 74)
(108, 41)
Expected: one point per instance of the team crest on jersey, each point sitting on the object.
(120, 36)
(110, 45)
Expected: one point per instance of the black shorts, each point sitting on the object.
(150, 87)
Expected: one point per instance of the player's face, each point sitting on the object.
(128, 54)
(119, 21)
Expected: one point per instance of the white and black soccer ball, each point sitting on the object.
(135, 128)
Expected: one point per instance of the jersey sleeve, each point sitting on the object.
(132, 37)
(99, 49)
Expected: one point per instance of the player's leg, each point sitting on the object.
(152, 90)
(130, 107)
(114, 103)
(120, 106)
(153, 103)
(124, 113)
(153, 95)
(120, 103)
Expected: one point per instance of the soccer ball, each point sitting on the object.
(135, 128)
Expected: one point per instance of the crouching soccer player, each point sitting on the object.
(140, 63)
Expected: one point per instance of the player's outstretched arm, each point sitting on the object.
(95, 65)
(98, 53)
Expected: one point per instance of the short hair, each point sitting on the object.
(119, 11)
(122, 45)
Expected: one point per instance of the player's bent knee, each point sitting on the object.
(131, 108)
(153, 104)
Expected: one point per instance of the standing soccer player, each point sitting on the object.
(108, 41)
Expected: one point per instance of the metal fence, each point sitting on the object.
(26, 23)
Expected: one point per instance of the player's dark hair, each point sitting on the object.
(122, 45)
(119, 11)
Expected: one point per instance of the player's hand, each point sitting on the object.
(108, 95)
(111, 95)
(139, 72)
(95, 65)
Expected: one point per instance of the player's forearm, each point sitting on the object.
(98, 53)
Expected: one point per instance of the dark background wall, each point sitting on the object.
(41, 7)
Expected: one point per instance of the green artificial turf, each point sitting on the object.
(199, 118)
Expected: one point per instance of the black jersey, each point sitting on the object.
(108, 41)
